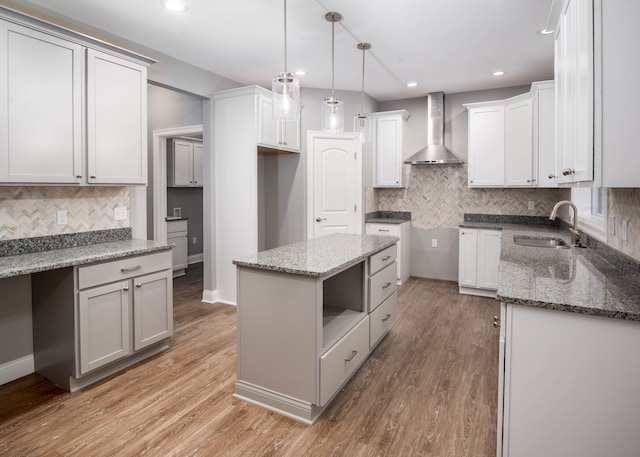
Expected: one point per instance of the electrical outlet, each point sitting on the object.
(531, 205)
(120, 213)
(177, 212)
(195, 240)
(61, 217)
(612, 225)
(434, 242)
(623, 230)
(400, 203)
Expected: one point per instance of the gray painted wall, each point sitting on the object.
(16, 335)
(189, 199)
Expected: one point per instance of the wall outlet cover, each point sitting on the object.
(531, 205)
(120, 213)
(177, 212)
(623, 230)
(434, 243)
(612, 225)
(61, 217)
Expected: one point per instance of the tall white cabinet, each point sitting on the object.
(388, 131)
(486, 144)
(239, 204)
(73, 110)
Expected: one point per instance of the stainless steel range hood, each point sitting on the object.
(435, 152)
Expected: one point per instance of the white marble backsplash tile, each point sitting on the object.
(624, 204)
(438, 196)
(27, 212)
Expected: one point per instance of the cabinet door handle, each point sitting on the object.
(79, 176)
(350, 358)
(385, 258)
(386, 285)
(383, 230)
(320, 219)
(138, 285)
(125, 288)
(130, 269)
(93, 176)
(386, 318)
(496, 321)
(568, 171)
(551, 176)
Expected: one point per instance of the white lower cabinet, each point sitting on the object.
(478, 258)
(570, 385)
(402, 231)
(301, 338)
(178, 235)
(101, 318)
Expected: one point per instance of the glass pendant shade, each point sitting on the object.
(286, 97)
(332, 115)
(362, 127)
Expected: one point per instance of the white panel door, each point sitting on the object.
(40, 107)
(116, 120)
(335, 187)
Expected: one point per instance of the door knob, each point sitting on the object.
(320, 219)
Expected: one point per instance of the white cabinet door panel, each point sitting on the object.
(467, 261)
(488, 258)
(486, 146)
(40, 107)
(116, 120)
(198, 179)
(152, 309)
(518, 141)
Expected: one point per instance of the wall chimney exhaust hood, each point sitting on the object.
(434, 153)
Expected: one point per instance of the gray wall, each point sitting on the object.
(189, 199)
(167, 108)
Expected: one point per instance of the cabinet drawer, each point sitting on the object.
(383, 229)
(117, 270)
(382, 318)
(344, 357)
(176, 227)
(381, 285)
(383, 258)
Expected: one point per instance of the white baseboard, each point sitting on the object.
(10, 371)
(195, 258)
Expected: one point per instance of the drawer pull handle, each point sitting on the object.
(496, 321)
(383, 230)
(386, 318)
(350, 358)
(126, 288)
(138, 285)
(385, 258)
(130, 269)
(386, 285)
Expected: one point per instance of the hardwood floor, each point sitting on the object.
(429, 389)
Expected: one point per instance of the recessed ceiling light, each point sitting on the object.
(412, 84)
(545, 32)
(498, 73)
(175, 5)
(300, 73)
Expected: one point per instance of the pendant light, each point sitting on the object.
(332, 107)
(285, 87)
(362, 121)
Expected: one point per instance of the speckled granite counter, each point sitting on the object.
(589, 280)
(318, 257)
(388, 217)
(45, 253)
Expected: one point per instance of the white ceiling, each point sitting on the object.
(447, 45)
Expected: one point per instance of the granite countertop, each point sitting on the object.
(388, 217)
(49, 253)
(318, 257)
(581, 280)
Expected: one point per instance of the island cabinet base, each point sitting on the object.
(302, 337)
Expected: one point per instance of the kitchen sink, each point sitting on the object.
(540, 242)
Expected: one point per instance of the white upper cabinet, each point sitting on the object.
(388, 139)
(486, 144)
(60, 91)
(597, 94)
(274, 133)
(544, 129)
(40, 111)
(518, 141)
(185, 164)
(116, 120)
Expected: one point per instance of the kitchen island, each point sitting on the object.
(309, 314)
(569, 339)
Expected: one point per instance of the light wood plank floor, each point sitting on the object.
(429, 389)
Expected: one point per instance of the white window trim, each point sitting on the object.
(594, 226)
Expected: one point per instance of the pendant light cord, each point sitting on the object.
(333, 25)
(285, 36)
(363, 51)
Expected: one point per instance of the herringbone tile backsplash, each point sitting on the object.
(624, 204)
(438, 196)
(27, 212)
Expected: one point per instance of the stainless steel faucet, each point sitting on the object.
(575, 234)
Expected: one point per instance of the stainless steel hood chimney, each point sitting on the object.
(435, 152)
